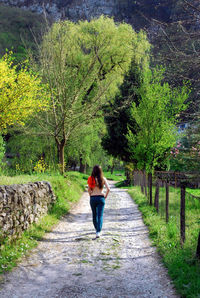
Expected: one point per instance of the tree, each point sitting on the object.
(155, 116)
(83, 64)
(2, 151)
(26, 150)
(118, 115)
(84, 146)
(177, 46)
(21, 93)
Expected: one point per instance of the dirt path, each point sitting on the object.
(70, 263)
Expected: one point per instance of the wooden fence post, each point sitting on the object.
(156, 200)
(182, 214)
(141, 182)
(150, 187)
(175, 179)
(167, 201)
(145, 183)
(198, 247)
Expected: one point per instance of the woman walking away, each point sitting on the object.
(96, 183)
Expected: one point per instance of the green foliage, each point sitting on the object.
(181, 263)
(155, 117)
(185, 156)
(67, 191)
(83, 63)
(118, 112)
(2, 152)
(85, 144)
(26, 150)
(2, 148)
(21, 93)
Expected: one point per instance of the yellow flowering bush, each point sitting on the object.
(40, 166)
(21, 93)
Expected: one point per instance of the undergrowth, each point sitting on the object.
(67, 189)
(182, 264)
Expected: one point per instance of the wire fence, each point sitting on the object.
(169, 192)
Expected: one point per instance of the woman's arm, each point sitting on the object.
(89, 190)
(107, 187)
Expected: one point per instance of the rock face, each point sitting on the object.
(137, 13)
(21, 205)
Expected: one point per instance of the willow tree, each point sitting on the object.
(83, 64)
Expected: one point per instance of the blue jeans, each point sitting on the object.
(97, 204)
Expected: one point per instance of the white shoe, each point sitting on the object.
(97, 234)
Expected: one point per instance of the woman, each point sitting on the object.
(96, 183)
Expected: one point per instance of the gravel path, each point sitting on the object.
(69, 262)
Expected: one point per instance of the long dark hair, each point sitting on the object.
(98, 173)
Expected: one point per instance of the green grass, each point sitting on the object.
(67, 189)
(183, 267)
(116, 176)
(194, 192)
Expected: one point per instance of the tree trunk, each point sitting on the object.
(167, 201)
(145, 183)
(150, 187)
(182, 214)
(82, 166)
(142, 182)
(156, 201)
(198, 247)
(61, 155)
(112, 167)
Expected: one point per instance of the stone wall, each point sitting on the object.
(21, 205)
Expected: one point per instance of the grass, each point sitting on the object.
(194, 192)
(183, 267)
(116, 176)
(67, 190)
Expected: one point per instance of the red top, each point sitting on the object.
(91, 182)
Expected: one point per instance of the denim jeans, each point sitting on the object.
(97, 204)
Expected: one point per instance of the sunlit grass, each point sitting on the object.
(181, 262)
(194, 192)
(116, 176)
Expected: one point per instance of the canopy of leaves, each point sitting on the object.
(117, 111)
(83, 64)
(118, 115)
(21, 94)
(85, 144)
(155, 116)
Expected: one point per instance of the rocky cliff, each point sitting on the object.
(138, 13)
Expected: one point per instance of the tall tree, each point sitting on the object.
(156, 117)
(118, 114)
(83, 64)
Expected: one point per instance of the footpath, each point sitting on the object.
(70, 262)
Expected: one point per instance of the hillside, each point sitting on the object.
(18, 28)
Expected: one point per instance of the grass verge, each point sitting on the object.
(182, 265)
(116, 175)
(67, 189)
